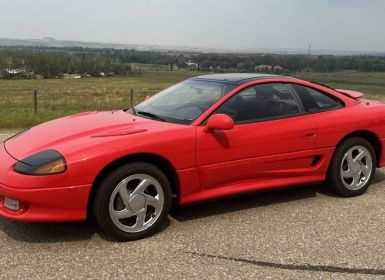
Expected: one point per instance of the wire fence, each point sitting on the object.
(26, 108)
(42, 101)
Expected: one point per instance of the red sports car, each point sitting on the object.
(207, 137)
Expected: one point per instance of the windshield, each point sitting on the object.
(184, 102)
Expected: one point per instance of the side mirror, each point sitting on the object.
(219, 122)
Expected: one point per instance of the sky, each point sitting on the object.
(357, 25)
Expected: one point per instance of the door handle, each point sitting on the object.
(310, 134)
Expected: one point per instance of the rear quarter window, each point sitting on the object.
(314, 100)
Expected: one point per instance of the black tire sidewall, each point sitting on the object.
(104, 191)
(334, 180)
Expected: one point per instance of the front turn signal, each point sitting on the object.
(49, 162)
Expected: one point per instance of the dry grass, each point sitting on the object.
(58, 98)
(371, 84)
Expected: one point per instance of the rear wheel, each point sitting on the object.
(133, 201)
(352, 168)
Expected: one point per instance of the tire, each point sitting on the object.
(132, 202)
(352, 168)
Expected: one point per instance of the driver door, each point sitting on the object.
(272, 139)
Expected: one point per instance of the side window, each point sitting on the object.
(261, 102)
(314, 100)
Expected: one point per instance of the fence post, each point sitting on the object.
(131, 98)
(35, 101)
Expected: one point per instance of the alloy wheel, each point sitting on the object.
(356, 167)
(136, 203)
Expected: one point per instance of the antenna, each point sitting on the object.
(309, 50)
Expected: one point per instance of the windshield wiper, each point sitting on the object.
(131, 110)
(151, 115)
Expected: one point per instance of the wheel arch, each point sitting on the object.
(162, 163)
(371, 137)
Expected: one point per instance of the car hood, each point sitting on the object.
(78, 130)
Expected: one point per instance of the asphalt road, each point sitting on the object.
(305, 233)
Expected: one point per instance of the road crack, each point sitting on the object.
(302, 267)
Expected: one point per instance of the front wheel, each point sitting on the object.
(133, 201)
(352, 168)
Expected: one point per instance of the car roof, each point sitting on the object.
(236, 78)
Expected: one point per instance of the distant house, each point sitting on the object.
(15, 71)
(192, 65)
(268, 68)
(18, 73)
(263, 68)
(184, 66)
(278, 68)
(38, 77)
(71, 76)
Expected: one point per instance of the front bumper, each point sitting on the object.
(44, 198)
(47, 204)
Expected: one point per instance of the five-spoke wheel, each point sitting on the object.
(356, 167)
(133, 201)
(352, 167)
(136, 203)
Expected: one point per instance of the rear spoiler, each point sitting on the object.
(353, 94)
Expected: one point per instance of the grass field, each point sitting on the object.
(58, 98)
(61, 97)
(370, 83)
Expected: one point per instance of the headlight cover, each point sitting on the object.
(49, 162)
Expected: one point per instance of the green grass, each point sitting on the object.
(57, 98)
